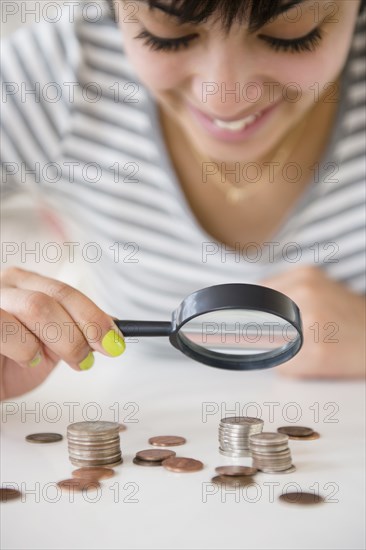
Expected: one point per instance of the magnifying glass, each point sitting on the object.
(231, 326)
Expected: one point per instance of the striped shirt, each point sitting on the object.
(82, 133)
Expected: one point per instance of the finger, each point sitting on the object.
(98, 328)
(47, 319)
(18, 343)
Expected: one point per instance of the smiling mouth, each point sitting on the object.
(237, 125)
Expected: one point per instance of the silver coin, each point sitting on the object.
(83, 464)
(277, 454)
(88, 428)
(74, 445)
(233, 454)
(288, 471)
(94, 456)
(241, 420)
(269, 438)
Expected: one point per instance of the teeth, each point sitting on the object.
(236, 125)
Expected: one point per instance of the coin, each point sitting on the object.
(182, 464)
(45, 437)
(140, 462)
(269, 438)
(314, 435)
(95, 473)
(167, 440)
(122, 427)
(236, 470)
(301, 498)
(289, 470)
(88, 463)
(95, 428)
(155, 454)
(7, 493)
(241, 420)
(234, 454)
(78, 484)
(297, 431)
(231, 481)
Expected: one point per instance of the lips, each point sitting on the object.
(233, 129)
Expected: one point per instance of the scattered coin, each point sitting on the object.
(182, 464)
(167, 440)
(231, 481)
(295, 431)
(7, 493)
(155, 455)
(236, 470)
(95, 443)
(150, 463)
(45, 437)
(314, 435)
(93, 473)
(301, 498)
(78, 484)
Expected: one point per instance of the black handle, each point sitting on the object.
(144, 328)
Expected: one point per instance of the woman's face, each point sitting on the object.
(237, 95)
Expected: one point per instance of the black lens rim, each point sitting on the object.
(236, 296)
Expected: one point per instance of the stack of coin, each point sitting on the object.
(94, 444)
(234, 433)
(270, 452)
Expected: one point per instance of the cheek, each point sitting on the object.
(308, 75)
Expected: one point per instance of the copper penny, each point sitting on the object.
(231, 481)
(295, 431)
(78, 484)
(44, 437)
(147, 463)
(314, 435)
(155, 454)
(122, 427)
(236, 470)
(167, 440)
(94, 473)
(301, 498)
(7, 493)
(182, 464)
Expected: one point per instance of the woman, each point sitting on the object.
(195, 143)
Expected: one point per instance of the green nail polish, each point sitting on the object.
(36, 361)
(113, 343)
(88, 362)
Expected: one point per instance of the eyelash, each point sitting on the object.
(296, 45)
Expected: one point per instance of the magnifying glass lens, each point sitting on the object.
(238, 332)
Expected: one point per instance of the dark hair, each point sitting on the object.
(257, 12)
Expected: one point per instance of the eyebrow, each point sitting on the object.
(157, 6)
(288, 5)
(174, 13)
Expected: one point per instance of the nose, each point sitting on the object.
(226, 82)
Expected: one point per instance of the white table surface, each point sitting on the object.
(168, 396)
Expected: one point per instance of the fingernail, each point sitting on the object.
(88, 362)
(113, 343)
(36, 360)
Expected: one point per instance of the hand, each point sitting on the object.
(333, 324)
(43, 321)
